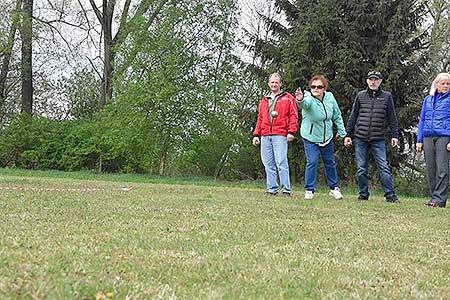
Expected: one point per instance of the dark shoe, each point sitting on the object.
(270, 194)
(433, 204)
(286, 194)
(392, 199)
(363, 198)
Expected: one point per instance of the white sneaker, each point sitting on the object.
(309, 195)
(336, 194)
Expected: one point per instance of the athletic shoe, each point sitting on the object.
(336, 194)
(309, 195)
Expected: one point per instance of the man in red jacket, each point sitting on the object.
(276, 125)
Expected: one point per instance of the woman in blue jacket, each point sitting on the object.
(320, 112)
(434, 138)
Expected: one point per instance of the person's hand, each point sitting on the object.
(394, 142)
(255, 141)
(448, 147)
(290, 137)
(338, 137)
(419, 147)
(347, 142)
(299, 94)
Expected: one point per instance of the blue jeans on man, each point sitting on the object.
(312, 152)
(378, 149)
(274, 157)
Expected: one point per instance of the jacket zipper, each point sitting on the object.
(324, 121)
(370, 119)
(274, 108)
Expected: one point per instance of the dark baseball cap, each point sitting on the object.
(374, 74)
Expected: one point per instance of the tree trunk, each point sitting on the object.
(7, 58)
(108, 69)
(26, 62)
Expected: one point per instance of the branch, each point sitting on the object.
(123, 21)
(97, 12)
(93, 66)
(54, 28)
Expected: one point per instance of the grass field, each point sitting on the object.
(86, 236)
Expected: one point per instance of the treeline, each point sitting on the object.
(171, 87)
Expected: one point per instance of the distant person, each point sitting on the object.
(276, 125)
(319, 112)
(434, 138)
(372, 107)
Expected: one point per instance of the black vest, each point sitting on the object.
(372, 115)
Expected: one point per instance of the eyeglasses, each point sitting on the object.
(319, 87)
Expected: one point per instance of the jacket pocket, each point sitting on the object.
(311, 128)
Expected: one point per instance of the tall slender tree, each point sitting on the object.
(26, 34)
(111, 41)
(6, 54)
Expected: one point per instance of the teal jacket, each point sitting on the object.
(318, 118)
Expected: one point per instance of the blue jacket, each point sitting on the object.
(435, 116)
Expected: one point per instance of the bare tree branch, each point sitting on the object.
(97, 12)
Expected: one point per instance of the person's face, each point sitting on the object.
(274, 84)
(317, 88)
(374, 83)
(443, 86)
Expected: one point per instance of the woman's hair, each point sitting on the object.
(321, 78)
(439, 77)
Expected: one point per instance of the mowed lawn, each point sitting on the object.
(64, 238)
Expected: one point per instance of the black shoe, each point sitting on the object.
(286, 194)
(270, 194)
(433, 204)
(363, 198)
(392, 199)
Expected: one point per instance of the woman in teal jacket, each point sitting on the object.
(319, 112)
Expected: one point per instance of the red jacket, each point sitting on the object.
(286, 121)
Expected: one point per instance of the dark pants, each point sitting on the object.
(436, 160)
(378, 149)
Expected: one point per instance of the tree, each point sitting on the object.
(110, 42)
(27, 54)
(6, 56)
(436, 59)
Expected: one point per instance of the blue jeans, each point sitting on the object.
(274, 157)
(312, 152)
(378, 149)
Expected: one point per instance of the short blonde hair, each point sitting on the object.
(439, 77)
(275, 75)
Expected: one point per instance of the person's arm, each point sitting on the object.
(353, 117)
(392, 117)
(421, 122)
(257, 130)
(306, 101)
(337, 119)
(293, 116)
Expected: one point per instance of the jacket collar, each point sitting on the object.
(280, 94)
(373, 93)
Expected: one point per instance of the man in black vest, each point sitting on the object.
(371, 109)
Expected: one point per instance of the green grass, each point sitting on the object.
(211, 241)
